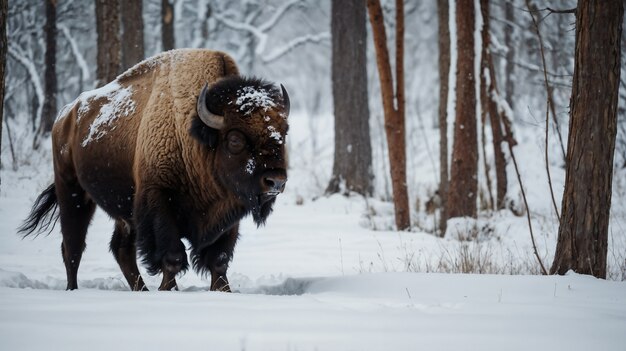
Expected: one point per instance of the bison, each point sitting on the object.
(179, 146)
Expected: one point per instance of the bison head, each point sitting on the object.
(244, 120)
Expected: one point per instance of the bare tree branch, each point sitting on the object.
(277, 15)
(260, 32)
(549, 103)
(533, 68)
(20, 56)
(560, 11)
(506, 122)
(80, 59)
(294, 43)
(243, 26)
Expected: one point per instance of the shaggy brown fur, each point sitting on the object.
(137, 148)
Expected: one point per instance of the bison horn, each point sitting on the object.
(209, 118)
(286, 104)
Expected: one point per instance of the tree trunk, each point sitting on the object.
(49, 109)
(509, 64)
(4, 11)
(495, 118)
(486, 201)
(583, 232)
(353, 152)
(490, 92)
(443, 13)
(394, 117)
(167, 25)
(463, 173)
(108, 28)
(132, 27)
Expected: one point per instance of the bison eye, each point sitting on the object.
(236, 142)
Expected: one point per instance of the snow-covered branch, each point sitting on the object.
(260, 31)
(243, 26)
(277, 15)
(253, 15)
(20, 56)
(294, 43)
(80, 59)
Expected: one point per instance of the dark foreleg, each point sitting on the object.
(216, 257)
(124, 250)
(158, 236)
(169, 281)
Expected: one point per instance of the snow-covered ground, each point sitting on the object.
(390, 311)
(317, 277)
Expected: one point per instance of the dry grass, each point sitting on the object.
(476, 247)
(472, 258)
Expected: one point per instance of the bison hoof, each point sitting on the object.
(174, 261)
(220, 284)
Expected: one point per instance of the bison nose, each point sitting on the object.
(274, 182)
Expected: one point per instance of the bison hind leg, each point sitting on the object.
(75, 211)
(125, 252)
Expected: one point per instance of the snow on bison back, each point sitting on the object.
(179, 146)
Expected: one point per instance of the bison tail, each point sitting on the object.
(43, 216)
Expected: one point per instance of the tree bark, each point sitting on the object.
(4, 11)
(167, 25)
(509, 64)
(463, 171)
(49, 109)
(490, 92)
(443, 16)
(108, 29)
(495, 119)
(132, 27)
(353, 152)
(394, 117)
(486, 201)
(398, 158)
(583, 232)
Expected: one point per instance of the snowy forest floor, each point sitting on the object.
(319, 277)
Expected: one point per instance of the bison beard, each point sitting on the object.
(263, 208)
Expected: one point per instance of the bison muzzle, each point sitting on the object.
(178, 147)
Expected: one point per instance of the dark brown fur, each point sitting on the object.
(142, 154)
